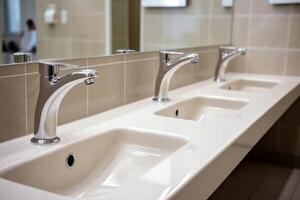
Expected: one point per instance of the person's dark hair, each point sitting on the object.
(13, 47)
(30, 24)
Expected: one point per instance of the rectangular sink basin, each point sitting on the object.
(250, 85)
(203, 109)
(98, 165)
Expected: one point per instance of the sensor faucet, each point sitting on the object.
(52, 90)
(226, 54)
(167, 68)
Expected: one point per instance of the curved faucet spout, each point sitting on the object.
(226, 54)
(166, 71)
(52, 91)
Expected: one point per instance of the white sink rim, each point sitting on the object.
(257, 85)
(203, 103)
(131, 134)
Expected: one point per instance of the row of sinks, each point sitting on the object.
(97, 165)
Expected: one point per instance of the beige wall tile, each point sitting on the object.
(151, 35)
(240, 31)
(269, 31)
(80, 62)
(171, 34)
(202, 38)
(79, 26)
(77, 38)
(265, 62)
(108, 90)
(238, 64)
(43, 49)
(183, 77)
(96, 49)
(218, 9)
(241, 7)
(85, 6)
(143, 55)
(96, 32)
(220, 31)
(32, 67)
(204, 68)
(13, 108)
(12, 69)
(214, 56)
(106, 59)
(294, 41)
(139, 80)
(263, 7)
(293, 66)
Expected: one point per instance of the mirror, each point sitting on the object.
(59, 29)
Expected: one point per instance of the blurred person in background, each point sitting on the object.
(29, 37)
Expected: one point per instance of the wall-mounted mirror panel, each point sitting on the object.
(58, 29)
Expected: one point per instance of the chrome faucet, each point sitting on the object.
(52, 91)
(226, 54)
(167, 68)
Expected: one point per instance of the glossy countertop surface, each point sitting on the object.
(205, 141)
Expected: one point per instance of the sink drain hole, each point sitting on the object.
(70, 160)
(176, 113)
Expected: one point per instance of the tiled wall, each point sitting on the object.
(123, 79)
(202, 22)
(272, 36)
(83, 35)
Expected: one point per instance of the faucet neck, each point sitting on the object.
(167, 68)
(52, 91)
(226, 54)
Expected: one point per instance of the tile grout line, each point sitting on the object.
(87, 91)
(26, 102)
(121, 62)
(11, 76)
(249, 33)
(286, 52)
(125, 79)
(210, 22)
(156, 63)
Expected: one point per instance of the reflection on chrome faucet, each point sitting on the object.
(52, 91)
(167, 68)
(226, 54)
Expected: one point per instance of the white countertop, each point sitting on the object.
(206, 141)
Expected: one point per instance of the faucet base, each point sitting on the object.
(45, 141)
(220, 80)
(161, 99)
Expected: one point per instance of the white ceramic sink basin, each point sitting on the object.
(102, 163)
(250, 85)
(203, 109)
